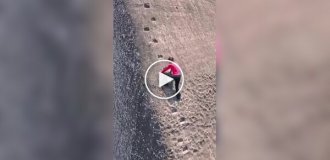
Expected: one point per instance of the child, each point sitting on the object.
(175, 73)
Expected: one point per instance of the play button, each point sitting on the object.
(155, 80)
(164, 79)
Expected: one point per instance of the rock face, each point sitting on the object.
(275, 92)
(148, 128)
(136, 132)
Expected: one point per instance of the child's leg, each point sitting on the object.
(177, 82)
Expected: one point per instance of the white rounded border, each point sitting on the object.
(146, 84)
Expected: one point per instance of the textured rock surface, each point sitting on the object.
(182, 29)
(135, 130)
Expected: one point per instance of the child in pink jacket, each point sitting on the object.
(175, 73)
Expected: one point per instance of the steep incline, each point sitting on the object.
(185, 30)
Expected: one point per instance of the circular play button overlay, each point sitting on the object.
(160, 85)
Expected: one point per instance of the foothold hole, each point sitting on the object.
(174, 110)
(176, 7)
(155, 40)
(182, 119)
(195, 150)
(146, 29)
(185, 148)
(153, 19)
(180, 140)
(146, 5)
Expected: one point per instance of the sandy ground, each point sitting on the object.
(185, 30)
(275, 90)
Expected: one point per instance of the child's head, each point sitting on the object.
(171, 59)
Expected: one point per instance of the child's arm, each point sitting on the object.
(166, 69)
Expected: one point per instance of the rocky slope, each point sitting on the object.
(159, 129)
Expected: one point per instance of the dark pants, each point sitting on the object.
(176, 83)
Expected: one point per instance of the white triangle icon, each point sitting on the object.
(164, 79)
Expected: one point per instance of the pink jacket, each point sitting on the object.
(174, 69)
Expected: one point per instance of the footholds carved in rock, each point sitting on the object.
(155, 40)
(147, 5)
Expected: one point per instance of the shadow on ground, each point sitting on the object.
(170, 91)
(137, 131)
